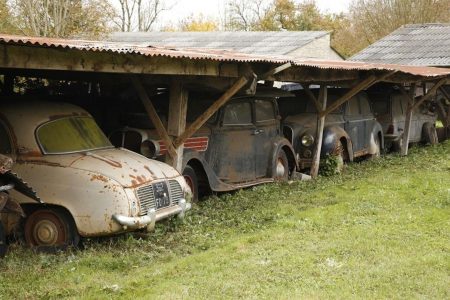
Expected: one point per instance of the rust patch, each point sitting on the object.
(99, 177)
(134, 183)
(39, 162)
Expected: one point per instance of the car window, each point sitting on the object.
(353, 107)
(365, 106)
(238, 114)
(72, 134)
(264, 110)
(5, 143)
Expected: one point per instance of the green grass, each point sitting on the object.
(379, 230)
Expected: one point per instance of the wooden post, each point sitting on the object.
(319, 133)
(153, 115)
(210, 111)
(178, 99)
(408, 119)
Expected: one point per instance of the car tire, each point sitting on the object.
(50, 229)
(281, 171)
(192, 180)
(397, 145)
(429, 134)
(3, 244)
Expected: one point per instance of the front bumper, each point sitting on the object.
(392, 137)
(148, 221)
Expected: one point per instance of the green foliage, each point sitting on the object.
(330, 165)
(379, 230)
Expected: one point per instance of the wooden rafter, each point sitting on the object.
(430, 92)
(275, 71)
(241, 82)
(312, 97)
(366, 83)
(153, 115)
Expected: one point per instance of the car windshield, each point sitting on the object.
(71, 134)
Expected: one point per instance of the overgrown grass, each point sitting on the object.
(380, 230)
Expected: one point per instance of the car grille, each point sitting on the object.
(176, 193)
(146, 196)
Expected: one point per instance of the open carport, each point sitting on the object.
(229, 72)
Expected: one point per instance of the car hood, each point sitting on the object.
(129, 169)
(309, 121)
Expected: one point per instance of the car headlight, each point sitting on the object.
(307, 140)
(150, 148)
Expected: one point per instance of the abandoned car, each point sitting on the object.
(350, 131)
(89, 187)
(239, 146)
(390, 106)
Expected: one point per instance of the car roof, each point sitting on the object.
(23, 117)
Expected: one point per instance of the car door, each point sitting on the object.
(368, 119)
(267, 129)
(231, 154)
(354, 125)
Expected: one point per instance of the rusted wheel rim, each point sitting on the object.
(45, 228)
(281, 170)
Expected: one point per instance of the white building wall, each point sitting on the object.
(317, 49)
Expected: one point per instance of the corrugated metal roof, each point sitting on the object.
(251, 42)
(218, 55)
(415, 44)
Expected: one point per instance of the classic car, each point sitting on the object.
(389, 107)
(241, 145)
(350, 131)
(89, 187)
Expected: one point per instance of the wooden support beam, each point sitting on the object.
(275, 71)
(178, 100)
(153, 115)
(319, 134)
(408, 119)
(241, 82)
(430, 93)
(352, 92)
(312, 97)
(45, 58)
(446, 96)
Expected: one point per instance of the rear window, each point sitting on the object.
(71, 134)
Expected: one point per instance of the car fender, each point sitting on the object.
(89, 197)
(333, 134)
(214, 182)
(278, 144)
(377, 129)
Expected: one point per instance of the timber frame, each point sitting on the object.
(230, 72)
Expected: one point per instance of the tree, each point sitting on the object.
(374, 19)
(198, 23)
(138, 14)
(61, 18)
(281, 15)
(5, 18)
(245, 15)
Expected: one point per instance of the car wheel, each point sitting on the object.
(281, 167)
(397, 145)
(3, 245)
(429, 134)
(50, 228)
(192, 181)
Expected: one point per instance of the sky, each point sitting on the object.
(185, 8)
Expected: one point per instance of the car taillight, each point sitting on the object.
(390, 129)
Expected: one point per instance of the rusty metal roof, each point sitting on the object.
(219, 55)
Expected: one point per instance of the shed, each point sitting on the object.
(292, 44)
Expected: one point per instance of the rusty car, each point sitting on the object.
(239, 146)
(350, 131)
(390, 106)
(90, 188)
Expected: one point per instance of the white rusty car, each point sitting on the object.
(88, 187)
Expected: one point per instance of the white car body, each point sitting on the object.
(106, 190)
